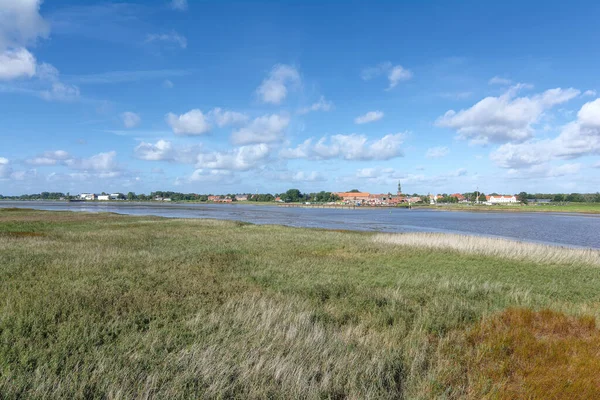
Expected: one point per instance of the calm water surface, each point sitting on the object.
(552, 228)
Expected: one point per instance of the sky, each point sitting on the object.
(245, 97)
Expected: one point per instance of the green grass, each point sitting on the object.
(110, 306)
(586, 208)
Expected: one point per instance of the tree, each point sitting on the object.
(558, 198)
(131, 196)
(522, 197)
(482, 197)
(354, 191)
(292, 196)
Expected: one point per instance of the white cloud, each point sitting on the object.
(265, 129)
(590, 93)
(130, 119)
(577, 138)
(544, 171)
(398, 74)
(20, 26)
(101, 162)
(16, 63)
(506, 118)
(210, 175)
(49, 158)
(321, 105)
(240, 159)
(274, 88)
(20, 23)
(61, 92)
(300, 176)
(596, 165)
(225, 118)
(164, 150)
(5, 168)
(348, 147)
(395, 73)
(169, 38)
(180, 5)
(497, 80)
(191, 123)
(437, 152)
(371, 116)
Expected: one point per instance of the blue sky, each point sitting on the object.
(219, 97)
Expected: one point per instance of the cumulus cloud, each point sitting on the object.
(544, 171)
(274, 88)
(506, 118)
(164, 150)
(61, 92)
(180, 5)
(173, 38)
(101, 162)
(300, 176)
(321, 105)
(210, 175)
(17, 63)
(265, 129)
(49, 158)
(577, 138)
(371, 116)
(496, 80)
(394, 73)
(20, 26)
(193, 122)
(5, 168)
(437, 152)
(348, 147)
(240, 159)
(224, 117)
(398, 74)
(130, 119)
(590, 93)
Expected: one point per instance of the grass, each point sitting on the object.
(111, 306)
(584, 208)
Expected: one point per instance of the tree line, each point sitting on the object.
(296, 196)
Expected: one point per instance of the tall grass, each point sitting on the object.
(109, 306)
(493, 247)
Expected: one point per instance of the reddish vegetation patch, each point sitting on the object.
(22, 234)
(535, 355)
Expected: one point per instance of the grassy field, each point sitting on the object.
(121, 307)
(586, 208)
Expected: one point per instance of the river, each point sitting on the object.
(551, 228)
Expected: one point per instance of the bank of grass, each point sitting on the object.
(110, 306)
(583, 208)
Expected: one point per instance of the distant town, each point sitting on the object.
(353, 197)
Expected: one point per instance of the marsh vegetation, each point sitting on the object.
(110, 306)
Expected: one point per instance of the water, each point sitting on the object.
(551, 228)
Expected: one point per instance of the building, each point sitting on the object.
(241, 197)
(458, 197)
(117, 196)
(354, 197)
(103, 197)
(87, 196)
(501, 199)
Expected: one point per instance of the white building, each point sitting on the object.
(501, 199)
(87, 196)
(114, 196)
(103, 197)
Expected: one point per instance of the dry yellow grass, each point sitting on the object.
(493, 247)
